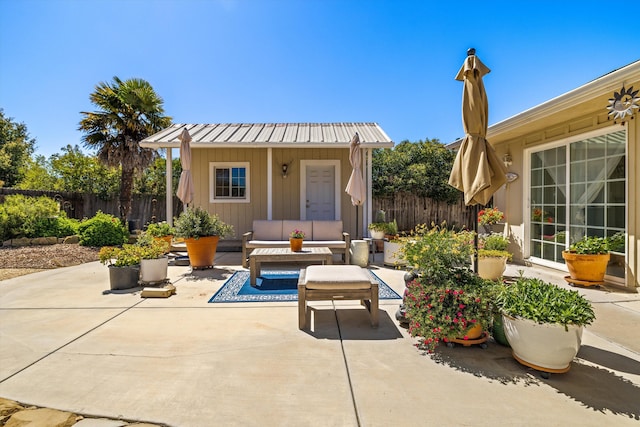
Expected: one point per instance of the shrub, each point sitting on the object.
(160, 229)
(24, 216)
(102, 230)
(436, 250)
(197, 222)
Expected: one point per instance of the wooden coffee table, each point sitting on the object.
(262, 255)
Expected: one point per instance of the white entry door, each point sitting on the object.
(319, 190)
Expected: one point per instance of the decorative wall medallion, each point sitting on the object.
(624, 103)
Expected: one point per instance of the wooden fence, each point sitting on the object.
(144, 208)
(410, 210)
(407, 209)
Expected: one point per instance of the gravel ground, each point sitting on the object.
(18, 261)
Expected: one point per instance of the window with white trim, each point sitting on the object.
(229, 182)
(578, 189)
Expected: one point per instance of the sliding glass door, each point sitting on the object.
(579, 189)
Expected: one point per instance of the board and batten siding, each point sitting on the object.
(285, 191)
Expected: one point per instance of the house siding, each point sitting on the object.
(286, 191)
(510, 197)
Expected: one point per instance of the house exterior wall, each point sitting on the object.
(511, 198)
(285, 191)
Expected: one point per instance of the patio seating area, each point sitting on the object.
(69, 343)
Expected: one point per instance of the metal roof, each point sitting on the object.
(300, 135)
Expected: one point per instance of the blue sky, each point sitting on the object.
(216, 61)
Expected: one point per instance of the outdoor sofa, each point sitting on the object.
(275, 234)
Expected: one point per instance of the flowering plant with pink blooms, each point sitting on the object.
(446, 299)
(297, 234)
(439, 312)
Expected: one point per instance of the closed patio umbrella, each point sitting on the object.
(355, 187)
(185, 186)
(477, 171)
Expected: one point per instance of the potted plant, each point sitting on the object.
(489, 217)
(393, 246)
(543, 323)
(378, 228)
(124, 265)
(161, 231)
(445, 301)
(492, 255)
(587, 260)
(153, 259)
(296, 238)
(201, 232)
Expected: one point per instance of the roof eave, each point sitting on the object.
(595, 88)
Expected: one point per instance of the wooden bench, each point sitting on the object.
(337, 282)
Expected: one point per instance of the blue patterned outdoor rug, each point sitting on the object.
(275, 286)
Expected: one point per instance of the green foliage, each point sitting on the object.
(124, 256)
(149, 247)
(71, 171)
(543, 302)
(591, 245)
(102, 230)
(435, 251)
(617, 242)
(23, 216)
(153, 179)
(493, 242)
(160, 229)
(15, 150)
(197, 222)
(420, 168)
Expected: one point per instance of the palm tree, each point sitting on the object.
(127, 112)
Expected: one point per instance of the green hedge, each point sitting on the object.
(24, 216)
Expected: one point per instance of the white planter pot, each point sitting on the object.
(392, 254)
(154, 270)
(378, 235)
(491, 268)
(545, 347)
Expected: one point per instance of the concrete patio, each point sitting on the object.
(67, 344)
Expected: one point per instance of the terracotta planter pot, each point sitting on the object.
(589, 268)
(295, 244)
(202, 251)
(167, 239)
(542, 346)
(474, 332)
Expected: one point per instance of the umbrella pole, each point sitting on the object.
(476, 209)
(357, 221)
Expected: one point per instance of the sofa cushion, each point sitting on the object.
(337, 277)
(267, 230)
(327, 230)
(288, 225)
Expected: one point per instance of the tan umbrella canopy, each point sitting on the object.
(185, 186)
(477, 170)
(355, 187)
